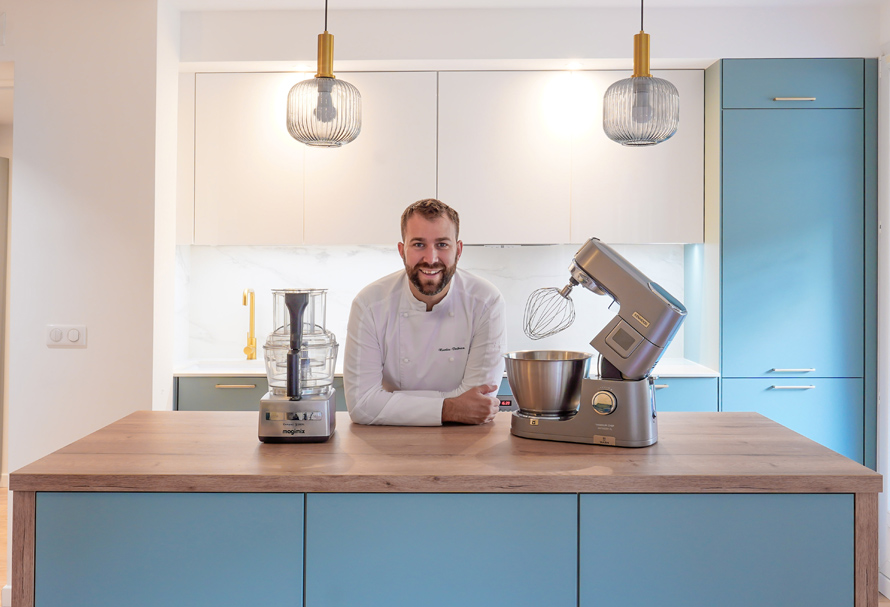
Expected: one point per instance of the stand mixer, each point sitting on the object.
(617, 406)
(300, 406)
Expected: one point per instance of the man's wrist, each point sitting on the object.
(447, 409)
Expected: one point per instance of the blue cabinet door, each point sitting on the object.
(686, 394)
(171, 549)
(707, 550)
(828, 411)
(797, 83)
(793, 245)
(441, 550)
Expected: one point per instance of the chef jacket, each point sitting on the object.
(401, 362)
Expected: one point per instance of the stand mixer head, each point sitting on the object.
(647, 320)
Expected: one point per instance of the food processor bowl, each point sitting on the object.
(318, 355)
(547, 383)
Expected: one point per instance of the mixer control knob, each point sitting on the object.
(604, 402)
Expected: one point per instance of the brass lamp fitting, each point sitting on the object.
(325, 55)
(641, 55)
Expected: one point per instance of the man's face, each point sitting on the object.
(430, 253)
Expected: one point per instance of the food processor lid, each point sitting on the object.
(310, 291)
(324, 339)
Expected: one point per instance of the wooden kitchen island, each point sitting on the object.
(189, 508)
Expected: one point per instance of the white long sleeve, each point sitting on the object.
(401, 362)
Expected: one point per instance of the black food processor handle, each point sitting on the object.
(296, 305)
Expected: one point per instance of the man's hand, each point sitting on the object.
(472, 407)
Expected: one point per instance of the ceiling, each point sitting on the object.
(209, 5)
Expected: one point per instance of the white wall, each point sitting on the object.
(883, 423)
(82, 216)
(166, 150)
(430, 38)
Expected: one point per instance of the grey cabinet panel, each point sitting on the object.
(230, 393)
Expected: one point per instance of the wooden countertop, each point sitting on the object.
(196, 451)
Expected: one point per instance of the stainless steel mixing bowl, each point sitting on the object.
(547, 383)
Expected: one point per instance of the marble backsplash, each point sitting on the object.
(212, 323)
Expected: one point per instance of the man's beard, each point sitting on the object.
(431, 288)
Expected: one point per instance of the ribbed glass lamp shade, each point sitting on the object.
(324, 112)
(641, 111)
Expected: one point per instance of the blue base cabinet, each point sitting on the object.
(171, 549)
(441, 550)
(827, 411)
(438, 550)
(686, 394)
(706, 550)
(799, 244)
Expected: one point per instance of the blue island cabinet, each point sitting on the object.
(798, 235)
(732, 550)
(170, 549)
(441, 550)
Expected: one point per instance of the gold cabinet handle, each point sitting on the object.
(235, 386)
(794, 98)
(792, 370)
(792, 387)
(660, 386)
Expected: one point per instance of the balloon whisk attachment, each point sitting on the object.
(549, 311)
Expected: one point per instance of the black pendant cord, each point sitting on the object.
(641, 14)
(325, 15)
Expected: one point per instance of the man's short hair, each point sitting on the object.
(431, 209)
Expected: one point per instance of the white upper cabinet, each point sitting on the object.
(652, 194)
(521, 155)
(248, 169)
(355, 194)
(504, 162)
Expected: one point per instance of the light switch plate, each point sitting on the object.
(66, 336)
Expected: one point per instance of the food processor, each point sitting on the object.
(616, 406)
(300, 406)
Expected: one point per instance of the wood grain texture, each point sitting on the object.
(866, 549)
(219, 451)
(23, 518)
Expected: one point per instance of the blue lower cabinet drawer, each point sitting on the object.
(686, 394)
(172, 549)
(441, 550)
(828, 411)
(732, 550)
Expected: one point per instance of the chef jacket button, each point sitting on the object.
(404, 314)
(451, 359)
(404, 360)
(451, 314)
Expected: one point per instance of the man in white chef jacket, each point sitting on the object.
(425, 346)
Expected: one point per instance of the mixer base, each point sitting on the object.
(614, 412)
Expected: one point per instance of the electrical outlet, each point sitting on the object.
(66, 336)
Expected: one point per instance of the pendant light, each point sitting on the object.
(324, 111)
(641, 110)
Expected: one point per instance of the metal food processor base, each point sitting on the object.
(631, 423)
(311, 419)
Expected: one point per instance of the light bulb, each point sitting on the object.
(324, 107)
(641, 110)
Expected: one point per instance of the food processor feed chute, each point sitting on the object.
(296, 306)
